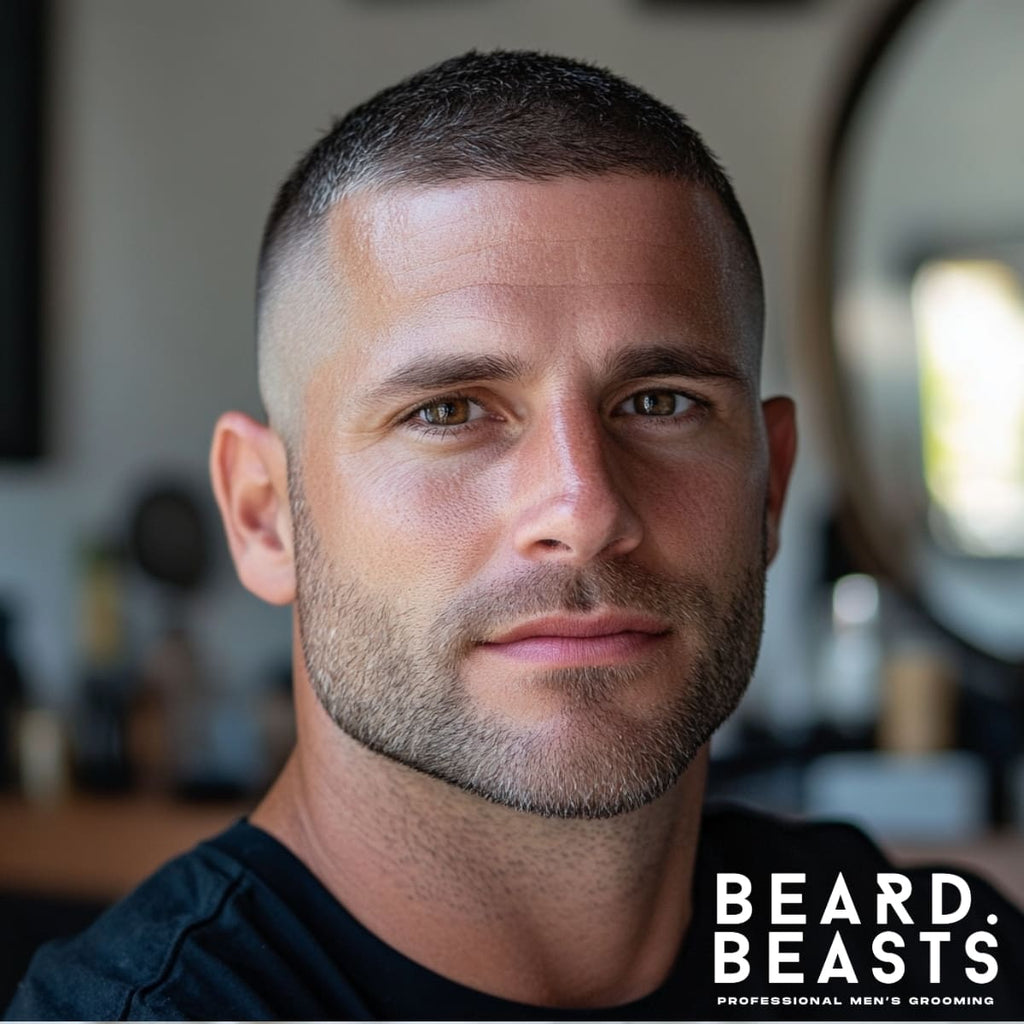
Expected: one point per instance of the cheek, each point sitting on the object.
(700, 512)
(425, 524)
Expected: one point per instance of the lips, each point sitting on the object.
(566, 640)
(583, 627)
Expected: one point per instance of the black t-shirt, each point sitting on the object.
(240, 929)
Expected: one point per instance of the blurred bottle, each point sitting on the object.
(101, 760)
(43, 756)
(918, 707)
(12, 700)
(851, 658)
(160, 718)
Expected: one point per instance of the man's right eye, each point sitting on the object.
(453, 411)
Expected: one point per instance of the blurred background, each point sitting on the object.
(879, 153)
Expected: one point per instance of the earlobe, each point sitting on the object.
(249, 471)
(780, 426)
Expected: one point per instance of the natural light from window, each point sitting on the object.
(969, 325)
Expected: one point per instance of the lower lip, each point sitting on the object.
(608, 649)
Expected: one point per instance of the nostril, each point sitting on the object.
(549, 543)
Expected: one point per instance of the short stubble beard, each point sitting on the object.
(401, 694)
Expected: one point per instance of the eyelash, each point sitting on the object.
(433, 430)
(698, 405)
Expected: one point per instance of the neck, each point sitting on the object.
(552, 912)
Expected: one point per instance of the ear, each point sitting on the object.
(249, 470)
(780, 426)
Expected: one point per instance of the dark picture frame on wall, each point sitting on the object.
(22, 134)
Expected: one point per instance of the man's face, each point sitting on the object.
(530, 498)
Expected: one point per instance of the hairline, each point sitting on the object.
(300, 248)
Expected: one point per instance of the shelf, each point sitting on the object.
(99, 847)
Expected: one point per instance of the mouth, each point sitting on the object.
(608, 638)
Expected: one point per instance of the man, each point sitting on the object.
(520, 487)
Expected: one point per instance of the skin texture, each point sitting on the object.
(587, 738)
(599, 450)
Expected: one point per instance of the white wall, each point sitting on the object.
(172, 124)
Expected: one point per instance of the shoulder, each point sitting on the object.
(734, 838)
(740, 835)
(736, 825)
(116, 968)
(739, 839)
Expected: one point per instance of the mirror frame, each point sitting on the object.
(873, 544)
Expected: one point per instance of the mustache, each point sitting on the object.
(484, 610)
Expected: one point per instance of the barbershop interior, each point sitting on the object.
(877, 149)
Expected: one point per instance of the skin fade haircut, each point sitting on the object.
(498, 116)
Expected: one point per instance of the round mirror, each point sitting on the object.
(922, 299)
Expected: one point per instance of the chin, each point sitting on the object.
(581, 764)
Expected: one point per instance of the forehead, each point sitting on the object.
(580, 260)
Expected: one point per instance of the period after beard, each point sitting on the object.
(401, 694)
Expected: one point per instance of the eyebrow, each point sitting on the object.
(435, 373)
(668, 361)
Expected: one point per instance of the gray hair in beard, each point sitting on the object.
(401, 694)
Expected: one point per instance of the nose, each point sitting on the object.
(571, 503)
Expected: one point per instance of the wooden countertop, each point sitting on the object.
(99, 847)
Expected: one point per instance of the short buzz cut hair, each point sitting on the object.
(503, 115)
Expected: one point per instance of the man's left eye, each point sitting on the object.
(654, 403)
